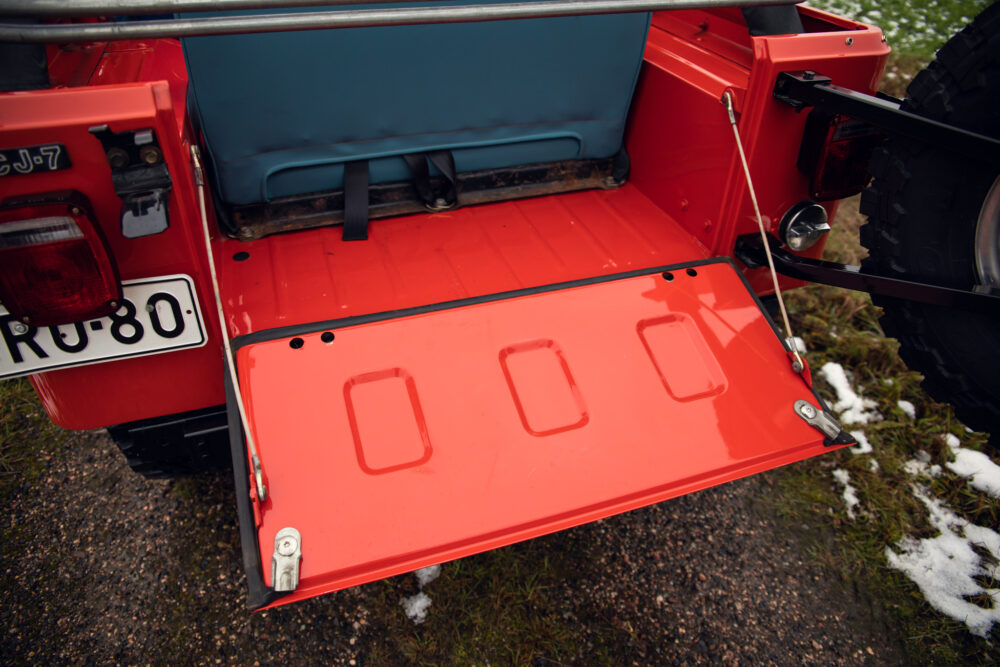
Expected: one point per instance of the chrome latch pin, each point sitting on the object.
(285, 561)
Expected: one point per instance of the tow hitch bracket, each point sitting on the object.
(750, 250)
(811, 89)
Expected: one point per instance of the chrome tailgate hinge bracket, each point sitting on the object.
(824, 423)
(285, 561)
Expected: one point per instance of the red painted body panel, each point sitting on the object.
(103, 394)
(692, 58)
(409, 441)
(420, 259)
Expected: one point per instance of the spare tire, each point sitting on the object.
(935, 216)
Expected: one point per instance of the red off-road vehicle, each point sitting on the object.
(438, 277)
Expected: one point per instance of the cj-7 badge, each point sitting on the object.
(33, 159)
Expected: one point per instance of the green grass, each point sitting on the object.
(912, 28)
(27, 435)
(842, 326)
(495, 608)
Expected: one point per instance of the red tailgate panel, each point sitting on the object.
(423, 436)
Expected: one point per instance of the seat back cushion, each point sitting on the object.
(280, 113)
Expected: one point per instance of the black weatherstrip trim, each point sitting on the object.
(265, 335)
(258, 593)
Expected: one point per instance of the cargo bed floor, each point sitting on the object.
(415, 260)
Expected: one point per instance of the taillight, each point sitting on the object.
(835, 154)
(55, 267)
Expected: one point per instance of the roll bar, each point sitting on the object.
(317, 20)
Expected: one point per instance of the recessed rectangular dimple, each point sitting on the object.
(387, 422)
(547, 398)
(681, 356)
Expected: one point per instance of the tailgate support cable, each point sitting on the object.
(258, 470)
(791, 342)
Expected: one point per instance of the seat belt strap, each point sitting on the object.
(356, 200)
(445, 163)
(417, 162)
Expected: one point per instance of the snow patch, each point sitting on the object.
(908, 408)
(852, 408)
(415, 607)
(850, 493)
(426, 575)
(919, 466)
(978, 468)
(863, 446)
(945, 567)
(873, 465)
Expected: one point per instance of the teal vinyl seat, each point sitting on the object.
(281, 113)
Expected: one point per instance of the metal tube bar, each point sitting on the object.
(801, 89)
(77, 8)
(347, 18)
(63, 9)
(750, 251)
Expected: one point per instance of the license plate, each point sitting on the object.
(157, 315)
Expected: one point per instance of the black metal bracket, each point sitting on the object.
(750, 251)
(810, 89)
(140, 176)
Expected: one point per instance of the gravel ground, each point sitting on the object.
(101, 566)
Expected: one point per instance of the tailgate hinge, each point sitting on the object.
(824, 423)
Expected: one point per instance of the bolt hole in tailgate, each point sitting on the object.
(395, 440)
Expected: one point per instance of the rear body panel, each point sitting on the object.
(120, 391)
(412, 437)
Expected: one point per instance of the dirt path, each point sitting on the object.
(101, 566)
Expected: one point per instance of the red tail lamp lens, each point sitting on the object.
(835, 154)
(55, 267)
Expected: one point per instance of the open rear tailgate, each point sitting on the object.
(397, 440)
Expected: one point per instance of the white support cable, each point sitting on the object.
(798, 365)
(258, 471)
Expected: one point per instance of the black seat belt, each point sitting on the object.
(445, 163)
(356, 200)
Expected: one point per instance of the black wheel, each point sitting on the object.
(176, 445)
(936, 216)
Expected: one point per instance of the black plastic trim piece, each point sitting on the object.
(183, 443)
(773, 20)
(259, 594)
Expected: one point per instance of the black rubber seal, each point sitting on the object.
(275, 333)
(259, 594)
